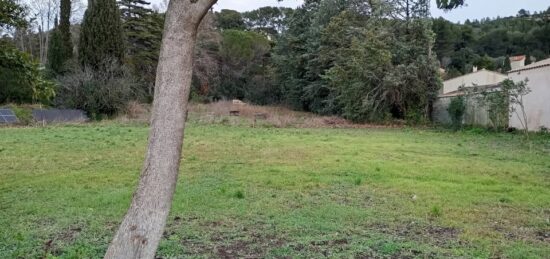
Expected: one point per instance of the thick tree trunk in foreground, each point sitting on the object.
(142, 227)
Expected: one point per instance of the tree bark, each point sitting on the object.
(141, 230)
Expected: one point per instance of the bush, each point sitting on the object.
(21, 80)
(98, 92)
(456, 110)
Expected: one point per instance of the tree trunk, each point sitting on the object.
(141, 230)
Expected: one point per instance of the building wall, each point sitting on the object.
(475, 114)
(517, 64)
(482, 77)
(537, 103)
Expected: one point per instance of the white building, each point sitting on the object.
(517, 62)
(475, 114)
(537, 103)
(479, 78)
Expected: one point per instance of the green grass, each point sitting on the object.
(282, 192)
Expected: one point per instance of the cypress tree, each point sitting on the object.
(60, 46)
(56, 55)
(101, 38)
(65, 29)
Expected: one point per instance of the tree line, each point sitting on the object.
(488, 43)
(362, 60)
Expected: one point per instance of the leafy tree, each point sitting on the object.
(360, 59)
(446, 38)
(463, 59)
(320, 68)
(245, 57)
(12, 14)
(485, 62)
(515, 91)
(101, 35)
(21, 78)
(269, 20)
(229, 19)
(497, 103)
(505, 102)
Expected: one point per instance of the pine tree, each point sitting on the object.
(143, 30)
(101, 36)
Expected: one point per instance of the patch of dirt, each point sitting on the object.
(67, 236)
(256, 245)
(402, 254)
(438, 236)
(227, 239)
(543, 235)
(70, 234)
(522, 233)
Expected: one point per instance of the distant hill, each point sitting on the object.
(488, 42)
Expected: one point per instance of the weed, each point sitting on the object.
(239, 194)
(504, 200)
(436, 212)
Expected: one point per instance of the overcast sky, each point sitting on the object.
(475, 9)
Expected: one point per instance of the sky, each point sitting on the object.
(475, 9)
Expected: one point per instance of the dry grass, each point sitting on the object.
(268, 116)
(135, 112)
(249, 115)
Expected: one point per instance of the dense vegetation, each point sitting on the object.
(20, 77)
(488, 43)
(362, 60)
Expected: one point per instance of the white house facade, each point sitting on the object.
(537, 103)
(475, 114)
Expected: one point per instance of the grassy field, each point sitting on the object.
(265, 192)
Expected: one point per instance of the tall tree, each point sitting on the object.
(65, 29)
(141, 230)
(270, 20)
(143, 32)
(60, 46)
(55, 51)
(101, 37)
(230, 19)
